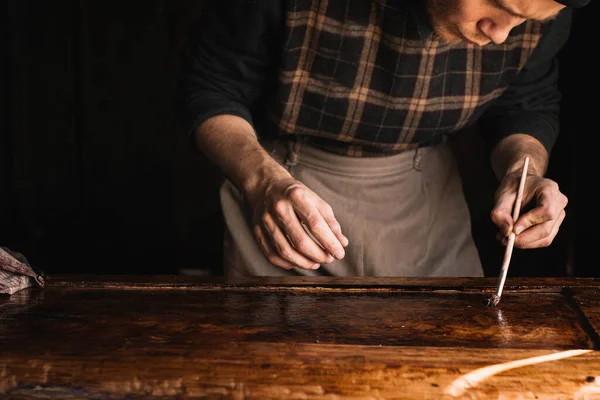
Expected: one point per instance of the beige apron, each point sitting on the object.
(404, 215)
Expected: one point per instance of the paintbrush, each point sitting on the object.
(495, 299)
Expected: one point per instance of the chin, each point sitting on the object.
(446, 36)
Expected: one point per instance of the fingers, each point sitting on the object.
(540, 235)
(550, 204)
(299, 238)
(295, 227)
(537, 227)
(318, 218)
(327, 213)
(506, 197)
(502, 217)
(265, 246)
(281, 248)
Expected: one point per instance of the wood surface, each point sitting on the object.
(587, 301)
(259, 370)
(549, 285)
(280, 338)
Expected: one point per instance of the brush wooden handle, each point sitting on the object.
(516, 211)
(511, 237)
(519, 200)
(506, 262)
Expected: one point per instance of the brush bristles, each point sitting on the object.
(493, 301)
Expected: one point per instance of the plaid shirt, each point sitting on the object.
(367, 77)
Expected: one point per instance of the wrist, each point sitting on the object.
(258, 179)
(509, 156)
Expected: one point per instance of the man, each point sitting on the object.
(330, 119)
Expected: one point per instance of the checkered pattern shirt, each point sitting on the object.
(366, 77)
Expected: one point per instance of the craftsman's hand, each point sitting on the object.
(538, 226)
(280, 207)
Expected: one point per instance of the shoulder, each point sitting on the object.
(555, 33)
(243, 8)
(546, 39)
(239, 15)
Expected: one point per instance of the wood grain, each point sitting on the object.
(547, 285)
(303, 371)
(334, 341)
(588, 302)
(204, 318)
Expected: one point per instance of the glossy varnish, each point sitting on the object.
(282, 339)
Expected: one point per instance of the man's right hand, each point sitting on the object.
(281, 210)
(280, 204)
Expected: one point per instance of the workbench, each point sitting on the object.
(182, 337)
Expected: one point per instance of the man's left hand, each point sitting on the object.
(539, 225)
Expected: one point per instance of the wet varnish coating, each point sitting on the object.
(285, 339)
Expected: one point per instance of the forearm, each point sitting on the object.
(530, 104)
(509, 154)
(231, 144)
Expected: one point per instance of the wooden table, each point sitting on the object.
(107, 337)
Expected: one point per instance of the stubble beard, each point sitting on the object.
(439, 12)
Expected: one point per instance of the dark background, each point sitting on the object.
(97, 177)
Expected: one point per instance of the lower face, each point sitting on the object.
(480, 21)
(455, 21)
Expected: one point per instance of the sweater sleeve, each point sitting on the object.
(531, 103)
(228, 54)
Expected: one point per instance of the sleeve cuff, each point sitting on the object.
(204, 112)
(541, 127)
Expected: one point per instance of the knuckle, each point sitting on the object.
(313, 221)
(496, 214)
(285, 253)
(545, 214)
(549, 185)
(280, 207)
(551, 215)
(265, 219)
(295, 193)
(327, 209)
(546, 231)
(335, 228)
(279, 249)
(300, 241)
(331, 246)
(314, 224)
(301, 244)
(284, 220)
(270, 227)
